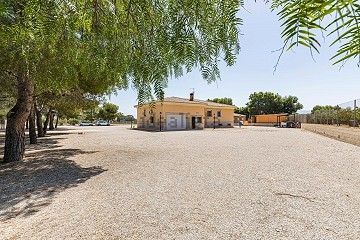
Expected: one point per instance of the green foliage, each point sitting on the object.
(317, 108)
(291, 104)
(62, 121)
(264, 103)
(243, 110)
(109, 111)
(225, 100)
(303, 20)
(268, 103)
(73, 121)
(126, 119)
(104, 45)
(334, 115)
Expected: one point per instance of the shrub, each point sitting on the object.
(73, 121)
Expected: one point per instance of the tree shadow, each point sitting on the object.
(2, 144)
(43, 143)
(26, 187)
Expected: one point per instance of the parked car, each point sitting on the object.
(102, 123)
(85, 124)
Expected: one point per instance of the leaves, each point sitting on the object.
(270, 103)
(303, 19)
(102, 45)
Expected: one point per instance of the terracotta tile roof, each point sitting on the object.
(196, 101)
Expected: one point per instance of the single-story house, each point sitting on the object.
(175, 113)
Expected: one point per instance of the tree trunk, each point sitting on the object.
(39, 125)
(46, 123)
(57, 120)
(16, 119)
(32, 130)
(51, 125)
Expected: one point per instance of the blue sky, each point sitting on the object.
(314, 83)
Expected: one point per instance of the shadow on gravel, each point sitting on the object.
(2, 145)
(26, 187)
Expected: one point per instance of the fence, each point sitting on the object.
(342, 114)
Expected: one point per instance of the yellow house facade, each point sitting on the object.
(176, 113)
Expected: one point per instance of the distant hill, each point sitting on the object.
(303, 111)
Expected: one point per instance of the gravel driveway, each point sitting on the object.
(117, 183)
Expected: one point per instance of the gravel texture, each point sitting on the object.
(117, 183)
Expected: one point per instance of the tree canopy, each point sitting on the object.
(268, 103)
(304, 21)
(102, 45)
(108, 111)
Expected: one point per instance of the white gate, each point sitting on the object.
(175, 121)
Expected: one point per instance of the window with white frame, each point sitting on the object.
(219, 113)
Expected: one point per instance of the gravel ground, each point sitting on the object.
(117, 183)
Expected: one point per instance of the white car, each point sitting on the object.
(85, 124)
(102, 123)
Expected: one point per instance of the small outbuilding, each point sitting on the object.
(175, 113)
(268, 119)
(239, 118)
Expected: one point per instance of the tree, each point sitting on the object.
(264, 103)
(243, 110)
(291, 104)
(108, 112)
(317, 108)
(101, 45)
(225, 100)
(303, 20)
(268, 103)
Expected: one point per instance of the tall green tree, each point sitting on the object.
(108, 111)
(104, 45)
(243, 110)
(268, 103)
(291, 104)
(264, 103)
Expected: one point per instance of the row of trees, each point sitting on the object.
(269, 103)
(96, 47)
(92, 48)
(335, 115)
(265, 103)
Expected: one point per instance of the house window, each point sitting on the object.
(199, 119)
(219, 113)
(144, 112)
(151, 119)
(209, 113)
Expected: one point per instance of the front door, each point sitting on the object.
(193, 122)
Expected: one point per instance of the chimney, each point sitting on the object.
(192, 96)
